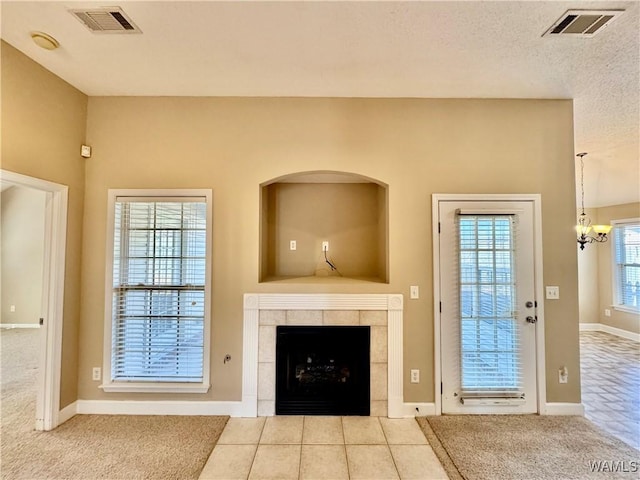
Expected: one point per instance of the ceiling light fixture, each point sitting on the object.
(584, 226)
(44, 40)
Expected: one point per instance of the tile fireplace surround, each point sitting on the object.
(264, 312)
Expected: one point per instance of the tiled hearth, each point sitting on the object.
(264, 312)
(322, 448)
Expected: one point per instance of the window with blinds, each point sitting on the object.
(159, 289)
(626, 259)
(489, 333)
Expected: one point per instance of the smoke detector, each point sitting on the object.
(106, 20)
(44, 40)
(582, 23)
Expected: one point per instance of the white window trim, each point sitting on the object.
(155, 387)
(614, 271)
(626, 309)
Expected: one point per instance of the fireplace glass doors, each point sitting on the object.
(322, 370)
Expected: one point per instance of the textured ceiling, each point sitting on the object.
(365, 49)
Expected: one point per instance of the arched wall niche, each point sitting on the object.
(347, 210)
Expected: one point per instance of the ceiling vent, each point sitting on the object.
(582, 23)
(106, 20)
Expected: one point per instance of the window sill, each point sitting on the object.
(155, 387)
(623, 308)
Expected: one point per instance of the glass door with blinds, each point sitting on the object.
(488, 316)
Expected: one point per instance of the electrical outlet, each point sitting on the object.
(415, 375)
(607, 312)
(325, 246)
(292, 245)
(563, 375)
(97, 373)
(415, 291)
(12, 308)
(553, 293)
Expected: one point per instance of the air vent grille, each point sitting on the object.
(106, 20)
(582, 23)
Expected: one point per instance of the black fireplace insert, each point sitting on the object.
(322, 370)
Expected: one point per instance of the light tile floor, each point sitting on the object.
(610, 374)
(322, 448)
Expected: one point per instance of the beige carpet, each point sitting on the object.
(92, 446)
(495, 447)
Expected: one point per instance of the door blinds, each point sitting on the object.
(489, 334)
(159, 289)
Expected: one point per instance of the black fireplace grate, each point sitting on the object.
(322, 370)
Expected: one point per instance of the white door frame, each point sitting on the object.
(55, 241)
(536, 199)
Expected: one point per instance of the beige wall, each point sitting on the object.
(417, 147)
(22, 253)
(347, 215)
(232, 145)
(43, 125)
(618, 319)
(589, 296)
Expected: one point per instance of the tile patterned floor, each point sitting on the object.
(610, 374)
(322, 448)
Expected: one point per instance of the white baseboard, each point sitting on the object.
(590, 327)
(19, 325)
(564, 409)
(134, 407)
(67, 413)
(418, 409)
(233, 409)
(601, 327)
(550, 409)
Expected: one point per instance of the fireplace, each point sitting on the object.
(265, 312)
(322, 370)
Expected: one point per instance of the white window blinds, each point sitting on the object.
(627, 264)
(158, 309)
(489, 334)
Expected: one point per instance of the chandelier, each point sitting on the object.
(584, 227)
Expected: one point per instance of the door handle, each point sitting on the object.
(529, 304)
(531, 319)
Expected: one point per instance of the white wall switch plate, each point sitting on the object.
(415, 291)
(607, 312)
(292, 245)
(415, 375)
(553, 292)
(12, 308)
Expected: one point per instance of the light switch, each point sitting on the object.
(415, 291)
(553, 293)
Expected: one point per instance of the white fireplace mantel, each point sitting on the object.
(254, 303)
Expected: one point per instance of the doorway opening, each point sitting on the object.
(52, 293)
